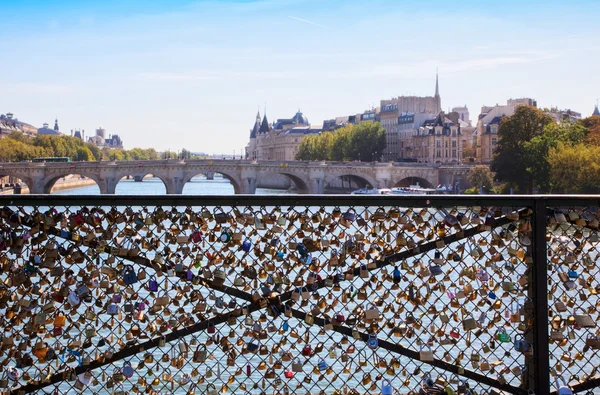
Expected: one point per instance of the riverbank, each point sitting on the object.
(61, 185)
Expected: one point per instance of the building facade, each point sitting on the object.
(438, 140)
(401, 116)
(100, 140)
(46, 131)
(10, 124)
(280, 140)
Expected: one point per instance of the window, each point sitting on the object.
(454, 153)
(453, 143)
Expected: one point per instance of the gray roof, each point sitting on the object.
(48, 132)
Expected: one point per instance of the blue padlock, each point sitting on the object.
(152, 284)
(397, 276)
(127, 370)
(286, 326)
(322, 365)
(246, 245)
(572, 274)
(302, 249)
(129, 275)
(372, 343)
(307, 259)
(386, 387)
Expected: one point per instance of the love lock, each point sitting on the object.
(127, 370)
(563, 389)
(372, 343)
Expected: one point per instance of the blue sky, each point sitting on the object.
(182, 74)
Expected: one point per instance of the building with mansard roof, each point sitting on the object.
(46, 131)
(10, 124)
(438, 140)
(279, 140)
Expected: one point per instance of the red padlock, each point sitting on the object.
(307, 351)
(454, 333)
(248, 370)
(57, 331)
(288, 374)
(340, 318)
(211, 328)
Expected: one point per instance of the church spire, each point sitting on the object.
(56, 124)
(438, 100)
(596, 111)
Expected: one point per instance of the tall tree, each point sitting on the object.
(575, 168)
(536, 150)
(593, 125)
(509, 162)
(480, 176)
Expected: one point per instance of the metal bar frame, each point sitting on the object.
(539, 273)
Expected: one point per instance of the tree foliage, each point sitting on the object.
(575, 168)
(481, 176)
(536, 150)
(593, 125)
(510, 162)
(18, 147)
(364, 141)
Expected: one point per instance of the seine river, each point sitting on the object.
(154, 186)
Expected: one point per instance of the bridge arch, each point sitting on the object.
(50, 182)
(153, 185)
(300, 183)
(408, 181)
(24, 180)
(233, 180)
(361, 180)
(189, 188)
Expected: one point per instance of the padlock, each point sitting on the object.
(129, 275)
(563, 389)
(372, 342)
(127, 370)
(322, 365)
(152, 284)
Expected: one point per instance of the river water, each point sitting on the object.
(154, 186)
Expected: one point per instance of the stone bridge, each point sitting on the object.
(308, 177)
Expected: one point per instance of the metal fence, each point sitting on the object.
(298, 294)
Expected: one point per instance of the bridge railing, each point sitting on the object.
(298, 294)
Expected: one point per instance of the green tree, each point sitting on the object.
(536, 150)
(593, 125)
(510, 162)
(84, 154)
(96, 152)
(481, 176)
(575, 168)
(367, 141)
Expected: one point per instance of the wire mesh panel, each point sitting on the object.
(302, 296)
(573, 253)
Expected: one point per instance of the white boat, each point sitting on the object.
(374, 191)
(418, 190)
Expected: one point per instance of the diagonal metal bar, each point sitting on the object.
(254, 307)
(132, 350)
(398, 349)
(581, 386)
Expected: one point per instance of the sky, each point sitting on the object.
(192, 74)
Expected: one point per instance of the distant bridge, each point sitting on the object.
(308, 177)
